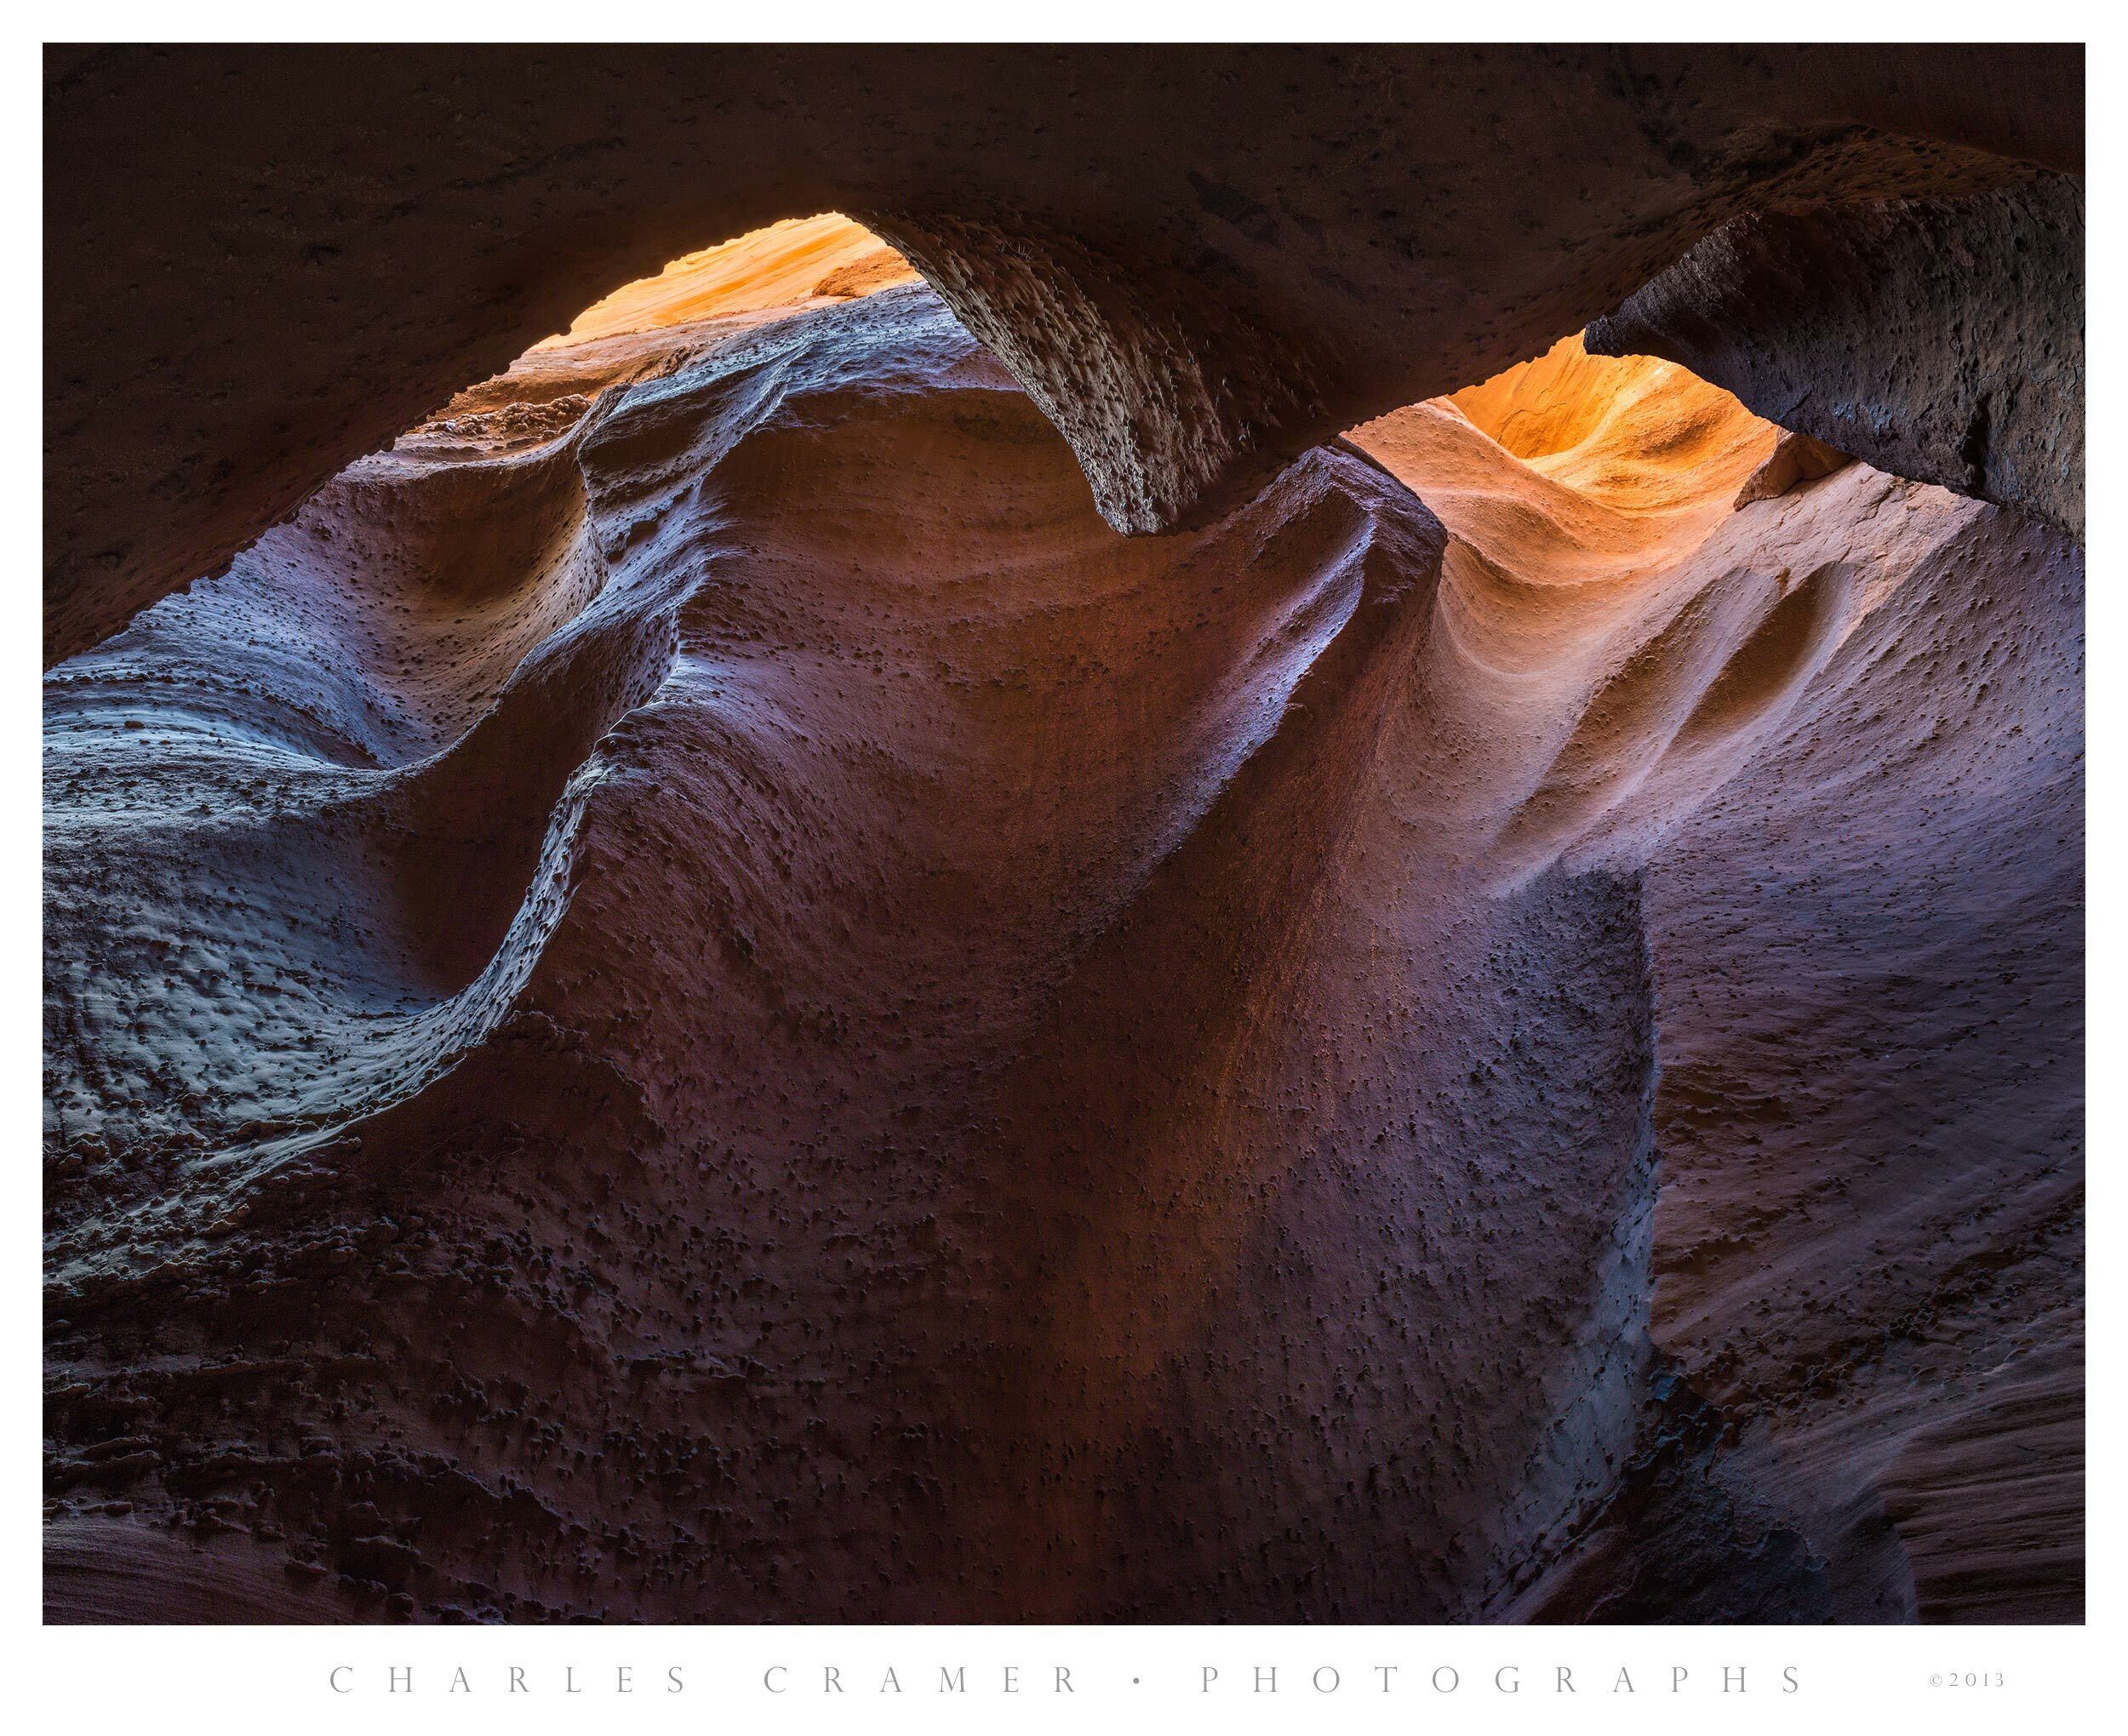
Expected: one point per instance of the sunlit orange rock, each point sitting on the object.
(780, 267)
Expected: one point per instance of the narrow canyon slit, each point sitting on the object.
(695, 994)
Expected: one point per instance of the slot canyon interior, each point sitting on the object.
(978, 835)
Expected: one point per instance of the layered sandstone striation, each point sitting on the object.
(1491, 1034)
(782, 267)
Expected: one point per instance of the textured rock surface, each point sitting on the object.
(1865, 945)
(1796, 459)
(621, 1045)
(1939, 338)
(1200, 262)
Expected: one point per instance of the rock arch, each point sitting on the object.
(1198, 261)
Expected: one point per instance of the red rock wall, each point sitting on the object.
(696, 997)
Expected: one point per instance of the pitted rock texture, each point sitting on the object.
(1199, 262)
(621, 1045)
(1939, 338)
